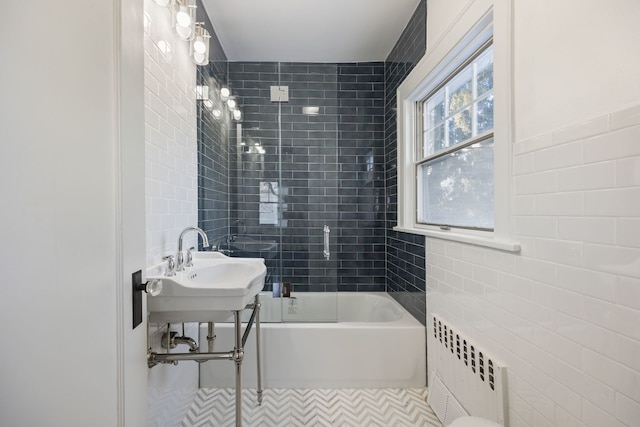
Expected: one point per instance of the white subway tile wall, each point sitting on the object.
(170, 189)
(564, 314)
(170, 139)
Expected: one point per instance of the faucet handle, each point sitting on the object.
(190, 257)
(171, 265)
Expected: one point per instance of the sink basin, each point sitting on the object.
(209, 291)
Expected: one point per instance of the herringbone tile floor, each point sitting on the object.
(314, 407)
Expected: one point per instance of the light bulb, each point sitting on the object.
(183, 18)
(237, 114)
(183, 32)
(231, 103)
(225, 93)
(199, 46)
(216, 113)
(199, 58)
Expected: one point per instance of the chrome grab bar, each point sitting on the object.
(326, 252)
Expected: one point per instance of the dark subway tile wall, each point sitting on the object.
(405, 252)
(331, 170)
(338, 168)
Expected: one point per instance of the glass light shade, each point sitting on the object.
(225, 93)
(184, 16)
(237, 114)
(183, 32)
(200, 45)
(216, 113)
(208, 104)
(231, 103)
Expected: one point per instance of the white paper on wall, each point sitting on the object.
(269, 192)
(268, 203)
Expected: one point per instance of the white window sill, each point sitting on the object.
(487, 242)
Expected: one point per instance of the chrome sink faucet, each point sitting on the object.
(180, 255)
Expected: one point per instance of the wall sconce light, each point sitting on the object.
(237, 114)
(225, 93)
(200, 45)
(184, 14)
(231, 103)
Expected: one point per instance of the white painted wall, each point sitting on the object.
(69, 230)
(171, 192)
(564, 314)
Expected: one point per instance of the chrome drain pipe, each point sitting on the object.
(171, 339)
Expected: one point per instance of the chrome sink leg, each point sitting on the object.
(211, 337)
(238, 355)
(259, 393)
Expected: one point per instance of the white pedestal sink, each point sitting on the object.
(209, 291)
(215, 288)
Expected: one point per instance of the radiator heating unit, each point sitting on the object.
(464, 379)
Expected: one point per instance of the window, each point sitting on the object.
(454, 162)
(454, 132)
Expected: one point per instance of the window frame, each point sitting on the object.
(480, 21)
(422, 157)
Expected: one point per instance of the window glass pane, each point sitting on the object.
(484, 74)
(464, 104)
(457, 189)
(459, 127)
(434, 110)
(484, 115)
(460, 91)
(435, 140)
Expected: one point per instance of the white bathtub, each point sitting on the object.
(375, 343)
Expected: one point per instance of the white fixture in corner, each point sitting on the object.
(200, 45)
(184, 14)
